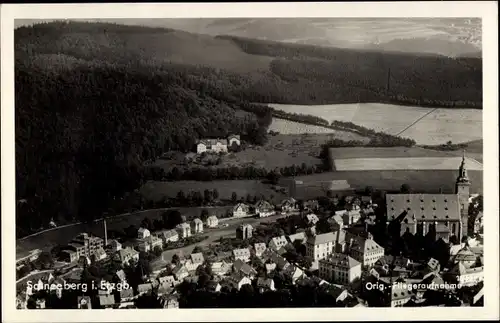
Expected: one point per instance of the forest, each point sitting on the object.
(94, 101)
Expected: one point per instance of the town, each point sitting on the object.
(331, 251)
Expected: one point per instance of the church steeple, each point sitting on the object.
(463, 178)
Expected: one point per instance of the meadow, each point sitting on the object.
(401, 163)
(423, 181)
(438, 127)
(156, 191)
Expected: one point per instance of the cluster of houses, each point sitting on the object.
(217, 145)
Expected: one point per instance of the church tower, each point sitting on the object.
(462, 188)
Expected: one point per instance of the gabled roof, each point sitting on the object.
(260, 246)
(240, 266)
(242, 206)
(167, 234)
(125, 252)
(241, 252)
(142, 288)
(197, 258)
(364, 245)
(264, 205)
(301, 236)
(337, 236)
(425, 207)
(197, 220)
(212, 218)
(341, 260)
(212, 142)
(121, 275)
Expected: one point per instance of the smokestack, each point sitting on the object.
(105, 234)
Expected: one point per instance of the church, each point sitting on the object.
(444, 214)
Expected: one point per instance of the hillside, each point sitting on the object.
(95, 100)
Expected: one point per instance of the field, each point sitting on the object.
(158, 190)
(420, 163)
(424, 181)
(439, 127)
(287, 127)
(426, 157)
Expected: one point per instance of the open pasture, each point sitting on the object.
(438, 127)
(401, 163)
(424, 181)
(288, 127)
(158, 190)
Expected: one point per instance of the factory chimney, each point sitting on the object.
(105, 234)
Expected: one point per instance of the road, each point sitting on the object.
(215, 234)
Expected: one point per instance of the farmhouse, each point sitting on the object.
(264, 208)
(444, 215)
(217, 145)
(244, 231)
(212, 221)
(240, 210)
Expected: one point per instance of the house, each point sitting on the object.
(211, 146)
(143, 233)
(300, 236)
(212, 221)
(320, 246)
(312, 218)
(240, 210)
(242, 254)
(150, 243)
(169, 302)
(351, 216)
(245, 269)
(164, 289)
(195, 260)
(434, 265)
(478, 223)
(127, 254)
(293, 273)
(234, 140)
(244, 231)
(336, 222)
(114, 245)
(169, 236)
(184, 230)
(270, 267)
(311, 205)
(264, 284)
(259, 248)
(289, 205)
(366, 250)
(236, 281)
(120, 274)
(264, 209)
(84, 302)
(197, 226)
(270, 256)
(339, 268)
(221, 268)
(167, 280)
(465, 256)
(180, 272)
(107, 301)
(277, 243)
(464, 275)
(144, 288)
(213, 286)
(83, 245)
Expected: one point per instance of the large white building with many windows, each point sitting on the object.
(339, 268)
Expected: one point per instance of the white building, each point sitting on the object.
(259, 248)
(150, 243)
(127, 254)
(467, 276)
(366, 251)
(240, 210)
(339, 268)
(169, 236)
(264, 209)
(277, 243)
(320, 246)
(212, 221)
(312, 218)
(143, 233)
(184, 230)
(242, 254)
(197, 226)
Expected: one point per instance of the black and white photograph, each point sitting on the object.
(249, 163)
